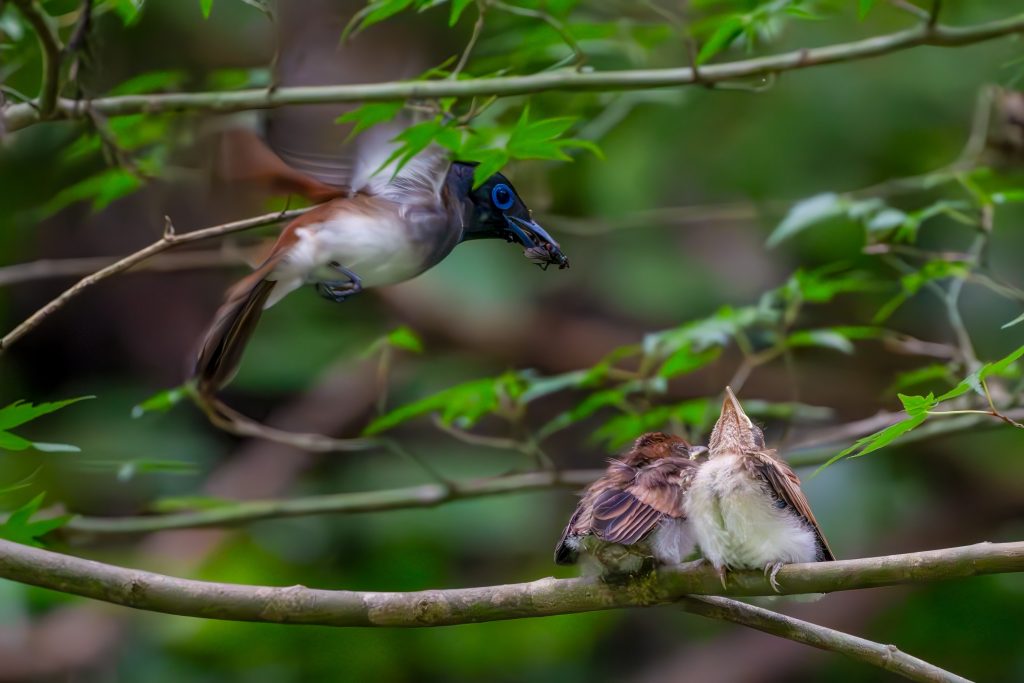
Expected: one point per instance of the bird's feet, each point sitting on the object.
(339, 290)
(771, 570)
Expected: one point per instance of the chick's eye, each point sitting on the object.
(501, 195)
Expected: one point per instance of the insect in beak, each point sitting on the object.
(540, 247)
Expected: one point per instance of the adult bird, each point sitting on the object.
(745, 504)
(634, 513)
(389, 226)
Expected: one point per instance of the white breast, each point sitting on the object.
(738, 525)
(376, 247)
(673, 541)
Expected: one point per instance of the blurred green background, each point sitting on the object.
(641, 261)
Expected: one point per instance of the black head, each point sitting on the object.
(497, 211)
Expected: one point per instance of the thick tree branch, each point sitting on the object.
(545, 597)
(20, 116)
(887, 657)
(426, 495)
(51, 49)
(168, 240)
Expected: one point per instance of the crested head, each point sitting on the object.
(734, 432)
(495, 210)
(657, 445)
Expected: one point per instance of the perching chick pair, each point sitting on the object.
(736, 501)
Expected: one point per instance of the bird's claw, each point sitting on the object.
(771, 571)
(722, 573)
(339, 290)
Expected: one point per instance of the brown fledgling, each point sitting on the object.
(745, 504)
(633, 517)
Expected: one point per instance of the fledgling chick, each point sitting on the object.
(745, 504)
(632, 517)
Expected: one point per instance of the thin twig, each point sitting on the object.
(423, 496)
(230, 420)
(19, 116)
(51, 49)
(546, 597)
(887, 657)
(911, 8)
(478, 27)
(163, 244)
(579, 56)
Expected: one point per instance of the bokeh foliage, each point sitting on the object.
(819, 299)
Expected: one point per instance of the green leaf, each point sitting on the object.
(807, 213)
(150, 82)
(622, 429)
(206, 6)
(161, 402)
(20, 412)
(822, 285)
(724, 35)
(12, 442)
(927, 373)
(863, 7)
(829, 339)
(374, 13)
(685, 360)
(488, 163)
(20, 526)
(590, 405)
(55, 447)
(538, 386)
(917, 405)
(464, 404)
(102, 188)
(371, 114)
(878, 440)
(1000, 366)
(404, 338)
(458, 6)
(128, 469)
(399, 338)
(20, 484)
(1008, 196)
(1016, 321)
(128, 10)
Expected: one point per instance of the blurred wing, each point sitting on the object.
(419, 180)
(241, 155)
(785, 485)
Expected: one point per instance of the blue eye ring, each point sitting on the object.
(502, 196)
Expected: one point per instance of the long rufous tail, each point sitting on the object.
(221, 352)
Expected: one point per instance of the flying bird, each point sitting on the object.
(634, 514)
(745, 504)
(389, 225)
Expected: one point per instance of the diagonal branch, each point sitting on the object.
(51, 49)
(887, 657)
(20, 116)
(168, 240)
(426, 495)
(545, 597)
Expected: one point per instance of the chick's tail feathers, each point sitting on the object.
(221, 352)
(567, 551)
